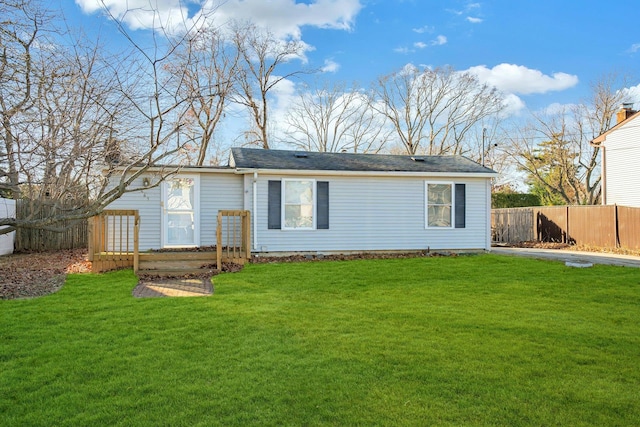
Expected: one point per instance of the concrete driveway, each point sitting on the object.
(571, 256)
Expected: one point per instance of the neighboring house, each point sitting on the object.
(620, 147)
(323, 203)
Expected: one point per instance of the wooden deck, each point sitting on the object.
(161, 263)
(114, 237)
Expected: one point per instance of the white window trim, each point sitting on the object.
(452, 215)
(196, 212)
(283, 204)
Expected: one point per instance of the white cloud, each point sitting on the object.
(283, 17)
(439, 41)
(284, 91)
(422, 30)
(632, 94)
(518, 79)
(330, 66)
(138, 14)
(474, 20)
(556, 108)
(634, 48)
(469, 8)
(513, 105)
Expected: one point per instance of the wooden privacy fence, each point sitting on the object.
(233, 237)
(608, 226)
(512, 225)
(113, 240)
(73, 234)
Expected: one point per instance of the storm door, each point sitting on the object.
(180, 211)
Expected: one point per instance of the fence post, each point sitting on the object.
(136, 243)
(90, 242)
(616, 225)
(566, 230)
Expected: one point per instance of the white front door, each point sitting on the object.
(181, 222)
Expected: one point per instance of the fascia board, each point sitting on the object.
(288, 172)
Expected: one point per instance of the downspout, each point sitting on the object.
(488, 236)
(255, 211)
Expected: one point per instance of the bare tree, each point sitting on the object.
(19, 29)
(261, 54)
(433, 110)
(78, 123)
(554, 148)
(335, 119)
(208, 66)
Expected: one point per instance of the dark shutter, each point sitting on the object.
(275, 197)
(460, 205)
(322, 222)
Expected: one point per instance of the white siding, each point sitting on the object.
(377, 213)
(217, 191)
(622, 157)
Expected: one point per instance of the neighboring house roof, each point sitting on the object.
(600, 139)
(253, 158)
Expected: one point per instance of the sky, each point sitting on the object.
(538, 52)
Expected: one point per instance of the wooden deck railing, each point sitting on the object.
(233, 237)
(113, 240)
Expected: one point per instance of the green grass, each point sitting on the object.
(476, 340)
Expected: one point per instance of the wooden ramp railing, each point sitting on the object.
(233, 237)
(113, 240)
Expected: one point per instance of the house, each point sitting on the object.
(307, 202)
(620, 147)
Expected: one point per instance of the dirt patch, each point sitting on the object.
(29, 275)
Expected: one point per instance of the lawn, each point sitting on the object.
(471, 340)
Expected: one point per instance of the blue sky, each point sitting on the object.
(539, 51)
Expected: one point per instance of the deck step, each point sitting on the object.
(175, 272)
(171, 256)
(176, 264)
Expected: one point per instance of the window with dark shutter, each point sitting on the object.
(274, 221)
(460, 220)
(322, 222)
(275, 196)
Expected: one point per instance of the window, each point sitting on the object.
(439, 204)
(298, 199)
(445, 205)
(301, 204)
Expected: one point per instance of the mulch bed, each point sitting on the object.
(349, 257)
(29, 275)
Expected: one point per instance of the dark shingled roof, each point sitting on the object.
(254, 158)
